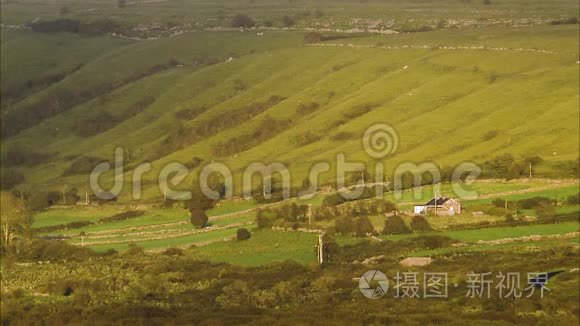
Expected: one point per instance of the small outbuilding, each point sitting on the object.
(444, 206)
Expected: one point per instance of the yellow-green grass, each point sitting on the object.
(51, 217)
(265, 246)
(217, 235)
(31, 56)
(152, 217)
(490, 233)
(529, 100)
(555, 245)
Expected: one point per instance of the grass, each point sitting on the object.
(485, 234)
(171, 242)
(262, 248)
(440, 80)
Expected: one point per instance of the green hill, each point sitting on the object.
(239, 97)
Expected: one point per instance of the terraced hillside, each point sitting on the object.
(239, 97)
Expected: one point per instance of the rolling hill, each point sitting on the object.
(238, 97)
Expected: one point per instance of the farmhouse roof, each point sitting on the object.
(440, 201)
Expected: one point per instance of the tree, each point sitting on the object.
(199, 200)
(363, 226)
(242, 21)
(313, 37)
(121, 3)
(82, 235)
(198, 218)
(395, 225)
(343, 225)
(16, 218)
(419, 223)
(288, 21)
(243, 234)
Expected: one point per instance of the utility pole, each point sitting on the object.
(309, 214)
(362, 174)
(506, 205)
(64, 194)
(320, 249)
(86, 197)
(530, 170)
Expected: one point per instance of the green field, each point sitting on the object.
(487, 102)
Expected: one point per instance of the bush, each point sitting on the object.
(122, 216)
(198, 218)
(19, 156)
(288, 21)
(94, 123)
(574, 199)
(65, 226)
(173, 252)
(307, 108)
(82, 165)
(133, 249)
(419, 224)
(535, 202)
(243, 234)
(395, 225)
(363, 226)
(265, 218)
(313, 37)
(342, 136)
(242, 21)
(10, 178)
(344, 225)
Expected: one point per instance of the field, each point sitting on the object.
(150, 87)
(469, 79)
(161, 228)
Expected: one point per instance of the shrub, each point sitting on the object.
(509, 218)
(344, 225)
(189, 114)
(94, 123)
(395, 225)
(342, 136)
(288, 21)
(358, 110)
(173, 252)
(82, 165)
(306, 138)
(363, 226)
(534, 202)
(133, 249)
(333, 200)
(21, 156)
(419, 224)
(307, 108)
(122, 216)
(198, 218)
(65, 226)
(489, 135)
(243, 234)
(10, 178)
(265, 218)
(243, 21)
(574, 199)
(313, 37)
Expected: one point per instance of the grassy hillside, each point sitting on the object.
(453, 96)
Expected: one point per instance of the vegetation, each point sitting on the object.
(243, 234)
(292, 82)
